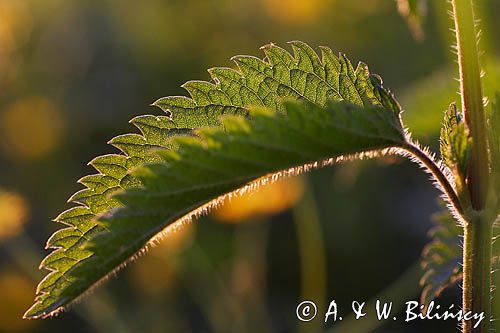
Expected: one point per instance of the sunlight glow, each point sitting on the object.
(267, 200)
(13, 213)
(30, 128)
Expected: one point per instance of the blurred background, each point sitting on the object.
(72, 73)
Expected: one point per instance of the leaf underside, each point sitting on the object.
(184, 174)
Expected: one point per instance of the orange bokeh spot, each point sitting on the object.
(13, 214)
(156, 272)
(267, 200)
(17, 295)
(16, 24)
(295, 11)
(30, 128)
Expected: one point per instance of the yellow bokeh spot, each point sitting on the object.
(152, 275)
(156, 273)
(295, 11)
(13, 213)
(16, 24)
(17, 295)
(267, 200)
(30, 128)
(177, 239)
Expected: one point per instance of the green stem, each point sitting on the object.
(428, 161)
(472, 101)
(478, 229)
(477, 272)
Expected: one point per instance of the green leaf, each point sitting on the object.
(220, 163)
(455, 146)
(75, 267)
(442, 257)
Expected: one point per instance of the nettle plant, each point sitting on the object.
(273, 118)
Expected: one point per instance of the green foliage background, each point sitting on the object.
(98, 64)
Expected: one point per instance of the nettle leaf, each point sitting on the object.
(455, 147)
(169, 195)
(442, 258)
(221, 162)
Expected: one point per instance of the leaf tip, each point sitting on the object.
(268, 46)
(40, 311)
(236, 58)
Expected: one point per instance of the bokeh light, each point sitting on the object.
(13, 213)
(31, 128)
(267, 200)
(72, 73)
(156, 272)
(295, 11)
(16, 296)
(15, 24)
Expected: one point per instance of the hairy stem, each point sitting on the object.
(477, 272)
(472, 101)
(478, 229)
(437, 173)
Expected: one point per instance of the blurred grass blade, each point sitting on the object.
(414, 11)
(402, 289)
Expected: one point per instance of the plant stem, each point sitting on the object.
(429, 162)
(477, 229)
(472, 100)
(477, 272)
